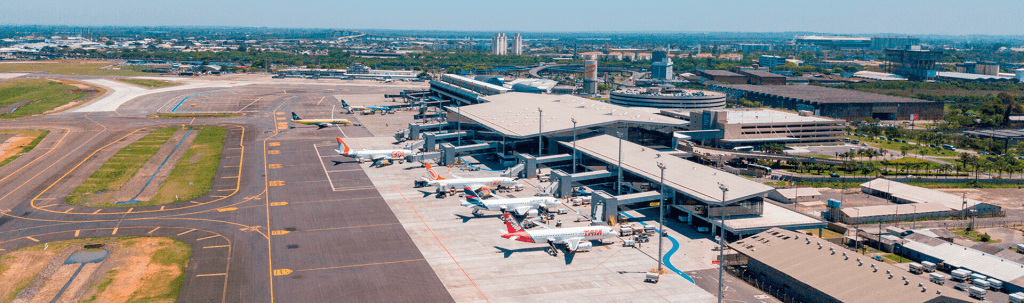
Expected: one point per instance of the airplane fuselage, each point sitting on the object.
(560, 235)
(514, 203)
(475, 183)
(393, 154)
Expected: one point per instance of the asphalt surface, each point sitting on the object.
(286, 220)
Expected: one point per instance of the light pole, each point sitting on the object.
(661, 217)
(540, 127)
(460, 125)
(618, 183)
(573, 145)
(721, 242)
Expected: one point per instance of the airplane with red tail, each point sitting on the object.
(574, 238)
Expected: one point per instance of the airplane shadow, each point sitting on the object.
(568, 257)
(427, 193)
(466, 219)
(509, 252)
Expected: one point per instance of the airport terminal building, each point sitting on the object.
(668, 98)
(835, 103)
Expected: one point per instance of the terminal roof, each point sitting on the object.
(818, 94)
(697, 181)
(516, 115)
(971, 259)
(836, 275)
(918, 194)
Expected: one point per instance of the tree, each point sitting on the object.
(109, 42)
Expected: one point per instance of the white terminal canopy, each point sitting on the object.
(516, 115)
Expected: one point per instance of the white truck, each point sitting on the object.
(937, 278)
(1017, 297)
(995, 285)
(983, 284)
(976, 292)
(960, 275)
(916, 269)
(928, 266)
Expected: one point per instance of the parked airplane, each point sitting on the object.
(361, 108)
(321, 123)
(379, 157)
(444, 185)
(520, 206)
(574, 238)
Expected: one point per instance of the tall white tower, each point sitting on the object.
(517, 44)
(499, 45)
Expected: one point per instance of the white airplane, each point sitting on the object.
(520, 206)
(379, 157)
(574, 238)
(320, 123)
(362, 108)
(444, 185)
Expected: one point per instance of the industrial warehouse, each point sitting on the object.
(836, 103)
(911, 203)
(809, 269)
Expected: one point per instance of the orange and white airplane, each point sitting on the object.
(444, 185)
(574, 238)
(380, 157)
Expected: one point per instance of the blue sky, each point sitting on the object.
(962, 17)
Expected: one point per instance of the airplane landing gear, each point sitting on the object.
(552, 250)
(476, 212)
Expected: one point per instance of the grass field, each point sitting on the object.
(974, 235)
(69, 68)
(121, 167)
(39, 136)
(895, 258)
(193, 175)
(916, 149)
(193, 115)
(41, 95)
(150, 83)
(825, 233)
(163, 262)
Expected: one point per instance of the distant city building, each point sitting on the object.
(884, 43)
(517, 44)
(771, 61)
(755, 47)
(590, 77)
(722, 76)
(981, 68)
(762, 77)
(834, 102)
(499, 44)
(834, 42)
(661, 65)
(913, 63)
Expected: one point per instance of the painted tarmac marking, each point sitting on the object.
(226, 209)
(76, 232)
(211, 275)
(114, 232)
(273, 152)
(31, 238)
(274, 144)
(151, 232)
(273, 166)
(279, 232)
(361, 265)
(275, 183)
(282, 272)
(69, 209)
(204, 238)
(349, 227)
(161, 208)
(278, 203)
(217, 246)
(441, 243)
(97, 211)
(187, 231)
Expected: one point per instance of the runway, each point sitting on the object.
(286, 219)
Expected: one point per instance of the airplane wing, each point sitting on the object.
(572, 243)
(378, 157)
(322, 125)
(537, 221)
(522, 210)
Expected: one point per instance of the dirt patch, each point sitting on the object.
(12, 146)
(91, 93)
(134, 271)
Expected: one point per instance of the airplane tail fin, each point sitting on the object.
(472, 197)
(342, 147)
(433, 173)
(511, 224)
(344, 104)
(295, 117)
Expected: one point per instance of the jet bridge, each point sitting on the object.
(448, 151)
(431, 139)
(530, 163)
(415, 129)
(608, 205)
(566, 180)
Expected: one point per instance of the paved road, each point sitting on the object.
(283, 221)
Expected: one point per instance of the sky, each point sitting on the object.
(921, 17)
